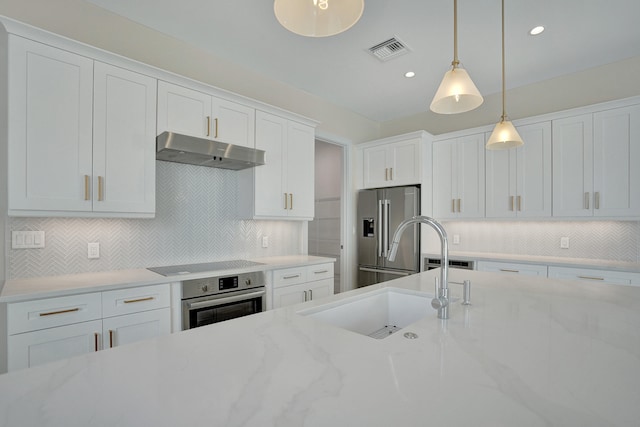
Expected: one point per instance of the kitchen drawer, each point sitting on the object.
(134, 300)
(595, 276)
(289, 276)
(48, 313)
(319, 272)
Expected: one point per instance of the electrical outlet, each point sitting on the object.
(564, 243)
(456, 239)
(93, 250)
(265, 241)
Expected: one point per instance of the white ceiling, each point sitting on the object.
(579, 34)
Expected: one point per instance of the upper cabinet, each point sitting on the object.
(595, 158)
(195, 113)
(518, 181)
(66, 161)
(392, 164)
(458, 177)
(283, 188)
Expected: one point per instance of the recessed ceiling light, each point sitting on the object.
(536, 30)
(409, 74)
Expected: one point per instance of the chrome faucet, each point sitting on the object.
(441, 300)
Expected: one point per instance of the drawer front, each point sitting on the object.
(134, 300)
(289, 276)
(48, 313)
(319, 272)
(594, 276)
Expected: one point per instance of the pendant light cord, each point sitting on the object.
(504, 108)
(455, 62)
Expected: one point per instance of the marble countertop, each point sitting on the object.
(633, 267)
(528, 352)
(15, 290)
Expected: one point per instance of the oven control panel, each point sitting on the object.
(221, 284)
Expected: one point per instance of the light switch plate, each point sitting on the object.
(93, 250)
(27, 239)
(564, 243)
(265, 241)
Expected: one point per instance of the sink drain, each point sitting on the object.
(410, 335)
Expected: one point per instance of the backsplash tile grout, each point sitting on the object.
(195, 222)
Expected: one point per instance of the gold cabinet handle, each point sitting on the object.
(290, 201)
(110, 338)
(215, 121)
(51, 313)
(390, 174)
(596, 200)
(511, 202)
(100, 189)
(129, 301)
(208, 125)
(453, 205)
(286, 201)
(386, 174)
(87, 195)
(95, 341)
(459, 203)
(519, 198)
(590, 278)
(587, 195)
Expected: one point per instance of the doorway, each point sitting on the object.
(325, 235)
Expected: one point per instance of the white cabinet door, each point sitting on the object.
(123, 141)
(300, 175)
(184, 111)
(283, 188)
(518, 181)
(130, 328)
(392, 164)
(458, 177)
(512, 268)
(50, 127)
(573, 166)
(320, 289)
(233, 123)
(48, 345)
(616, 155)
(289, 295)
(270, 194)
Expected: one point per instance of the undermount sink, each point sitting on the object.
(376, 314)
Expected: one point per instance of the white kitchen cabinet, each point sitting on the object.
(301, 284)
(459, 177)
(518, 181)
(594, 164)
(81, 135)
(595, 275)
(50, 329)
(191, 112)
(512, 268)
(283, 188)
(393, 164)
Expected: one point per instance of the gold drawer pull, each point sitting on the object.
(87, 196)
(215, 121)
(51, 313)
(290, 201)
(129, 301)
(291, 277)
(509, 271)
(519, 203)
(100, 189)
(286, 201)
(208, 125)
(590, 278)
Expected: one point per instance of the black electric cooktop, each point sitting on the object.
(177, 270)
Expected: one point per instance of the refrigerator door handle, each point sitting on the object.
(385, 235)
(379, 228)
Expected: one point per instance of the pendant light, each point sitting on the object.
(504, 135)
(318, 18)
(456, 93)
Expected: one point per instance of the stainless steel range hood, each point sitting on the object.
(175, 147)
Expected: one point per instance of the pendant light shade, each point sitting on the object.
(318, 18)
(504, 135)
(456, 93)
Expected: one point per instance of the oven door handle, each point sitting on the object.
(224, 300)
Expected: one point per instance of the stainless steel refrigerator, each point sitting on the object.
(380, 211)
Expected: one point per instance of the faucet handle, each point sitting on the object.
(440, 299)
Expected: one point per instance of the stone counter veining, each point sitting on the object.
(528, 352)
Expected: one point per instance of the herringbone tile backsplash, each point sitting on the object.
(195, 222)
(603, 240)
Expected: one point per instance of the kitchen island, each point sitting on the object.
(527, 352)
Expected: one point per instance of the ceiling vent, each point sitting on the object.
(389, 49)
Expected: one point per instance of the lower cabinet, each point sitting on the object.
(595, 276)
(512, 268)
(301, 284)
(42, 331)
